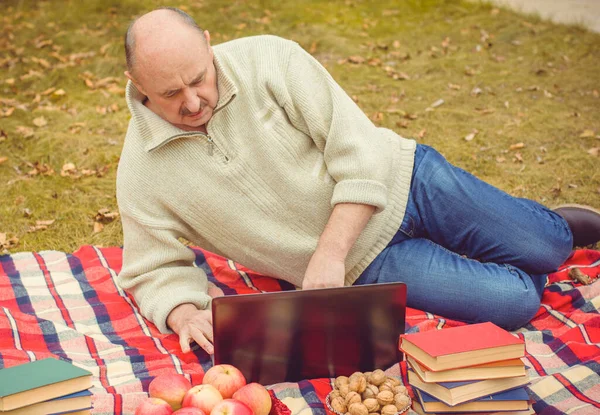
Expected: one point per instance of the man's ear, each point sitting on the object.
(135, 82)
(207, 37)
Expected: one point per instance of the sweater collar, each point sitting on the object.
(155, 131)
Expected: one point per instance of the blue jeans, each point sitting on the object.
(469, 251)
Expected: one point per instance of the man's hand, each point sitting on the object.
(324, 271)
(192, 324)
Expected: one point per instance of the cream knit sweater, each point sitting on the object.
(284, 145)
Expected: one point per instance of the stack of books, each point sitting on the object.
(468, 369)
(48, 386)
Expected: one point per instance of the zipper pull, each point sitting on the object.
(211, 146)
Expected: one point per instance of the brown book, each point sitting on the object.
(40, 381)
(512, 400)
(454, 393)
(78, 401)
(463, 346)
(494, 370)
(416, 406)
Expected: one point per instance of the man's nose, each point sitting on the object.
(192, 100)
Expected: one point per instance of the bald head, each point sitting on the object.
(158, 30)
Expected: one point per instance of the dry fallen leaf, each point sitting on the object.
(500, 159)
(594, 151)
(437, 103)
(356, 59)
(98, 227)
(6, 242)
(454, 86)
(40, 121)
(376, 116)
(26, 132)
(27, 213)
(48, 91)
(587, 134)
(68, 169)
(45, 222)
(422, 133)
(471, 136)
(41, 168)
(402, 124)
(516, 146)
(402, 76)
(106, 216)
(37, 228)
(3, 159)
(7, 113)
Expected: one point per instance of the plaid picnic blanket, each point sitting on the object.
(68, 306)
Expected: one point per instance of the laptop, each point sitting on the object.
(305, 334)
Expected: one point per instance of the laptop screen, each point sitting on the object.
(294, 335)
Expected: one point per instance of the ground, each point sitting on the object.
(510, 98)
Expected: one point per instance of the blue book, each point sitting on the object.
(67, 404)
(454, 393)
(512, 400)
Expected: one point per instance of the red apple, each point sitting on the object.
(203, 397)
(226, 378)
(231, 407)
(170, 388)
(256, 396)
(190, 410)
(153, 406)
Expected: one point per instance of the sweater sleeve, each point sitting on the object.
(158, 270)
(356, 152)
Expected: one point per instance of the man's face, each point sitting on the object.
(181, 87)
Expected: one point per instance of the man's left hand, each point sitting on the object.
(324, 271)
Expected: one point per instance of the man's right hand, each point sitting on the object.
(192, 324)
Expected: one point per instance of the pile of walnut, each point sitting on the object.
(369, 393)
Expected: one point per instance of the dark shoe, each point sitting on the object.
(584, 222)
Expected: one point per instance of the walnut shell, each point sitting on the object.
(338, 404)
(340, 380)
(367, 374)
(400, 389)
(374, 413)
(371, 391)
(395, 381)
(334, 394)
(377, 377)
(401, 401)
(385, 398)
(352, 397)
(358, 408)
(389, 410)
(386, 386)
(357, 382)
(371, 404)
(344, 389)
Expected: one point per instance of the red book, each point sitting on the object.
(463, 346)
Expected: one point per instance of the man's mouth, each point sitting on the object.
(196, 114)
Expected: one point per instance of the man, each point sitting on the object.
(251, 150)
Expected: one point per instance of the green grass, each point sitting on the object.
(539, 86)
